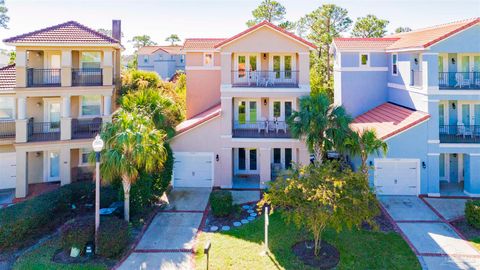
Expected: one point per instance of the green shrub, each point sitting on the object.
(133, 80)
(221, 202)
(472, 213)
(77, 233)
(108, 195)
(141, 194)
(25, 221)
(113, 237)
(162, 180)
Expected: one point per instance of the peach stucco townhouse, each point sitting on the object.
(53, 102)
(240, 91)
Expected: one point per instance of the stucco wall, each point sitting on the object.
(467, 41)
(203, 90)
(35, 167)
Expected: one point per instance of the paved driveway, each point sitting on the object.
(167, 243)
(432, 238)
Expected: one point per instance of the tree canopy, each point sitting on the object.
(268, 10)
(370, 27)
(142, 41)
(172, 39)
(402, 29)
(4, 19)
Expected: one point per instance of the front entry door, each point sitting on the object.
(53, 166)
(453, 168)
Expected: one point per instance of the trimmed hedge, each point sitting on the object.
(221, 202)
(472, 213)
(77, 233)
(113, 237)
(28, 220)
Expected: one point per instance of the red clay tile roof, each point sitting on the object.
(388, 119)
(271, 25)
(426, 37)
(198, 119)
(421, 38)
(7, 77)
(172, 49)
(201, 43)
(69, 32)
(363, 43)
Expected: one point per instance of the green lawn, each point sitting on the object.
(41, 258)
(475, 242)
(241, 248)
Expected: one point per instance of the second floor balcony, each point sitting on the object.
(44, 77)
(7, 129)
(87, 77)
(260, 129)
(86, 128)
(459, 80)
(460, 134)
(43, 131)
(265, 78)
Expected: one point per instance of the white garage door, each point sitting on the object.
(396, 176)
(8, 171)
(193, 169)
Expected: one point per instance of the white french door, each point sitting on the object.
(53, 63)
(52, 115)
(247, 111)
(282, 67)
(280, 110)
(469, 113)
(246, 67)
(246, 160)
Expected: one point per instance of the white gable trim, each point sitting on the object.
(265, 25)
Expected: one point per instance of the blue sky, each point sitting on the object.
(215, 18)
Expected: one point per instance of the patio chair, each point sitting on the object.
(462, 81)
(465, 130)
(281, 125)
(262, 125)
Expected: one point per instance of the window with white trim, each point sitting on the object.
(91, 59)
(145, 59)
(7, 108)
(84, 153)
(208, 59)
(395, 64)
(364, 60)
(91, 106)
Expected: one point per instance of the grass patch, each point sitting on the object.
(41, 258)
(241, 248)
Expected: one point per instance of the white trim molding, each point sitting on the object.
(406, 88)
(363, 68)
(462, 145)
(476, 195)
(433, 154)
(433, 141)
(433, 194)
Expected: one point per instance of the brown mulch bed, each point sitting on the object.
(383, 222)
(468, 231)
(237, 215)
(328, 257)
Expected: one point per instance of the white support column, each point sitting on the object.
(304, 68)
(22, 108)
(66, 120)
(21, 122)
(107, 67)
(21, 189)
(265, 166)
(21, 67)
(65, 172)
(66, 65)
(107, 105)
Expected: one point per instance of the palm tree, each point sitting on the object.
(364, 144)
(164, 113)
(132, 145)
(323, 125)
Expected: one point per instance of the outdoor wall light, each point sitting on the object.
(416, 61)
(37, 154)
(39, 104)
(217, 158)
(424, 165)
(453, 105)
(264, 56)
(370, 163)
(265, 102)
(453, 61)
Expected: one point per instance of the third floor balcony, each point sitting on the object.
(265, 78)
(459, 80)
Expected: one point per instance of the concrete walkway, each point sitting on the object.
(168, 242)
(431, 237)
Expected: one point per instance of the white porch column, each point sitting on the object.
(107, 67)
(304, 68)
(21, 67)
(265, 166)
(66, 120)
(224, 169)
(226, 73)
(65, 172)
(66, 66)
(21, 189)
(227, 115)
(107, 105)
(21, 122)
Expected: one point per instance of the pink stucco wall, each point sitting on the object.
(203, 90)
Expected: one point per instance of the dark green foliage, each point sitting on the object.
(113, 237)
(221, 202)
(77, 233)
(28, 220)
(162, 179)
(137, 79)
(472, 213)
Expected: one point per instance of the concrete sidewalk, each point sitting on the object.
(432, 238)
(168, 242)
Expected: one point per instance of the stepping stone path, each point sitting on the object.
(250, 218)
(213, 228)
(246, 207)
(253, 214)
(244, 221)
(225, 228)
(250, 211)
(237, 224)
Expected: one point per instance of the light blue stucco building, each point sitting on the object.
(164, 60)
(421, 92)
